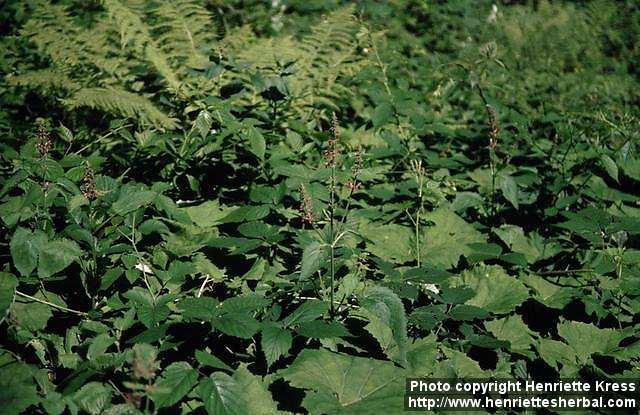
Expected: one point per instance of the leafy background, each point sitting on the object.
(243, 207)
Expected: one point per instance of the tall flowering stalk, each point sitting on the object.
(335, 217)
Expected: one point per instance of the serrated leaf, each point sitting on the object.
(177, 380)
(222, 395)
(575, 333)
(309, 310)
(93, 397)
(131, 198)
(318, 329)
(25, 247)
(313, 257)
(385, 306)
(257, 144)
(448, 239)
(275, 343)
(8, 285)
(343, 384)
(495, 291)
(57, 255)
(203, 123)
(509, 189)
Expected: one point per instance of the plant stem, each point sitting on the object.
(331, 233)
(50, 304)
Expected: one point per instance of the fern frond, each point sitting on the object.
(46, 80)
(55, 34)
(123, 103)
(185, 29)
(135, 33)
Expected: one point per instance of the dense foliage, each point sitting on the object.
(241, 207)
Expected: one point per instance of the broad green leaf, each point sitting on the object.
(93, 397)
(389, 242)
(345, 385)
(319, 329)
(495, 291)
(132, 197)
(177, 380)
(18, 390)
(238, 324)
(207, 214)
(533, 247)
(8, 285)
(313, 257)
(30, 315)
(448, 239)
(509, 189)
(223, 395)
(309, 310)
(258, 398)
(203, 123)
(25, 247)
(581, 337)
(257, 144)
(275, 343)
(99, 346)
(207, 359)
(549, 294)
(458, 365)
(513, 330)
(57, 255)
(554, 352)
(384, 306)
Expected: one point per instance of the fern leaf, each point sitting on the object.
(123, 103)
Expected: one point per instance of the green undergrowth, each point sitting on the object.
(232, 207)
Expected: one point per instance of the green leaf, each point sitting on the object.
(509, 189)
(577, 335)
(386, 307)
(495, 291)
(99, 346)
(8, 285)
(554, 352)
(25, 247)
(177, 380)
(207, 214)
(318, 329)
(57, 255)
(448, 239)
(389, 242)
(257, 144)
(347, 385)
(237, 324)
(93, 397)
(533, 247)
(610, 166)
(549, 294)
(203, 123)
(18, 391)
(257, 397)
(313, 257)
(382, 115)
(275, 343)
(32, 316)
(513, 330)
(207, 359)
(309, 310)
(223, 395)
(132, 197)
